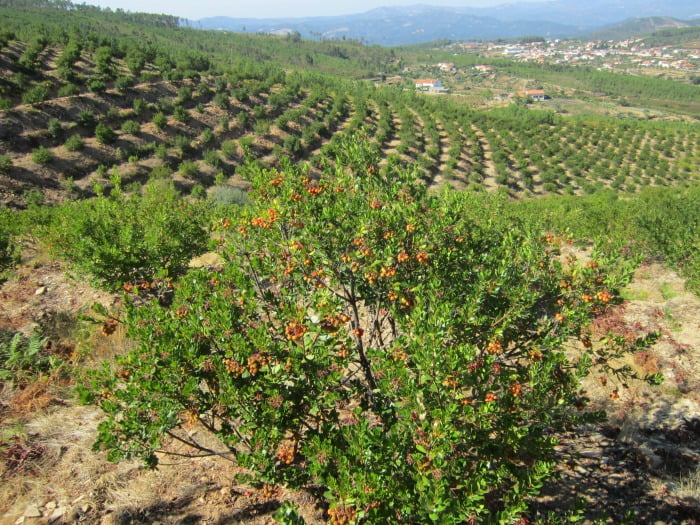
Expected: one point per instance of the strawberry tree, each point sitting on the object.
(368, 339)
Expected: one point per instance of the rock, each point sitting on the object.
(20, 520)
(654, 460)
(51, 505)
(57, 513)
(591, 453)
(40, 291)
(32, 511)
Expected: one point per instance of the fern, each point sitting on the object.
(23, 354)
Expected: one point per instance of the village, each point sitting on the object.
(633, 56)
(621, 56)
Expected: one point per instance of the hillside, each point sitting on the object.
(394, 26)
(419, 23)
(637, 27)
(76, 117)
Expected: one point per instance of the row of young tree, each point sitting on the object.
(257, 113)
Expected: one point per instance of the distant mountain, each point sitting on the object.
(392, 26)
(419, 23)
(590, 13)
(636, 27)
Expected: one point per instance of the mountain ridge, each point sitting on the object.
(418, 23)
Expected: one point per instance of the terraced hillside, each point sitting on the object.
(75, 117)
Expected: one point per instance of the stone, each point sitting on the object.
(20, 520)
(32, 511)
(591, 453)
(40, 291)
(51, 505)
(57, 514)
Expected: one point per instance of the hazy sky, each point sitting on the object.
(194, 9)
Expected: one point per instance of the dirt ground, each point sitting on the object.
(642, 466)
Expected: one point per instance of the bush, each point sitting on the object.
(87, 119)
(212, 158)
(161, 172)
(227, 196)
(188, 168)
(139, 106)
(42, 155)
(74, 143)
(123, 83)
(131, 127)
(160, 120)
(104, 134)
(401, 353)
(36, 94)
(229, 149)
(96, 85)
(181, 114)
(198, 191)
(54, 129)
(207, 136)
(5, 163)
(118, 239)
(8, 249)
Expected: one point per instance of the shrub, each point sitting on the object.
(395, 350)
(123, 83)
(74, 143)
(8, 249)
(229, 149)
(220, 178)
(181, 114)
(104, 134)
(160, 120)
(36, 94)
(118, 239)
(5, 163)
(184, 94)
(139, 106)
(207, 136)
(161, 172)
(212, 158)
(188, 168)
(222, 101)
(96, 85)
(54, 129)
(87, 118)
(131, 127)
(198, 191)
(42, 155)
(222, 195)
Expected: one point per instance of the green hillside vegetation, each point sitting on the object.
(639, 27)
(75, 118)
(654, 93)
(390, 318)
(684, 36)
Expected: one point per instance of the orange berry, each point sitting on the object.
(495, 347)
(295, 331)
